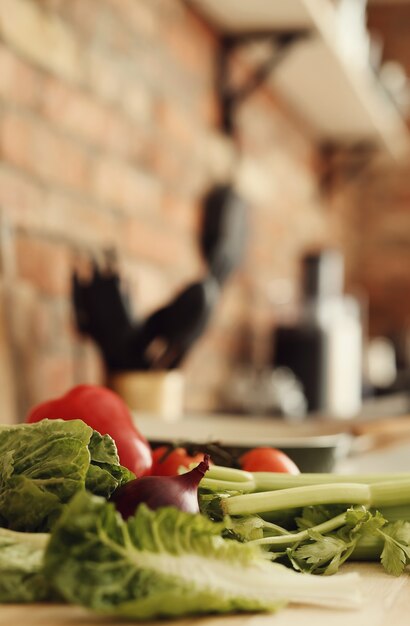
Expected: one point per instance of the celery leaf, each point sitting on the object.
(396, 551)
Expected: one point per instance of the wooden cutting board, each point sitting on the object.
(386, 603)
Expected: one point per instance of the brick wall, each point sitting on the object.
(383, 258)
(382, 262)
(109, 137)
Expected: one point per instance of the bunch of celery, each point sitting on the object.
(315, 522)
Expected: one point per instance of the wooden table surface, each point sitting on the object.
(386, 602)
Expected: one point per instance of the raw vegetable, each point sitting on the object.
(221, 478)
(171, 563)
(167, 460)
(322, 543)
(21, 567)
(105, 412)
(389, 493)
(105, 474)
(268, 460)
(43, 465)
(335, 520)
(180, 491)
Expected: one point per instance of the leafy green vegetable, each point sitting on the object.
(324, 553)
(230, 479)
(21, 567)
(43, 465)
(337, 517)
(105, 473)
(323, 542)
(171, 563)
(396, 552)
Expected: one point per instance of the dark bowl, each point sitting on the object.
(311, 454)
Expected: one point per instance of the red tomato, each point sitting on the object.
(268, 460)
(168, 464)
(106, 412)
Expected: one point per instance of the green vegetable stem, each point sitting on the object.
(371, 495)
(230, 479)
(337, 517)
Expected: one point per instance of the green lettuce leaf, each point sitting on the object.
(21, 567)
(105, 473)
(43, 465)
(170, 563)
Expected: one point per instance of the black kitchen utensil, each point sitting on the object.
(102, 311)
(224, 230)
(163, 340)
(170, 332)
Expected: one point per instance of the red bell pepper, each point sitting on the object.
(106, 412)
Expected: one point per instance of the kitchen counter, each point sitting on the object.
(363, 444)
(386, 603)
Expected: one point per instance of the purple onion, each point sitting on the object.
(158, 491)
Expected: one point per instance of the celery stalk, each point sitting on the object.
(220, 478)
(368, 548)
(376, 495)
(288, 539)
(394, 513)
(269, 481)
(264, 502)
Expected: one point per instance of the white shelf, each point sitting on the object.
(340, 101)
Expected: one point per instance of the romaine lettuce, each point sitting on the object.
(21, 567)
(43, 465)
(170, 563)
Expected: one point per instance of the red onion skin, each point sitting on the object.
(158, 491)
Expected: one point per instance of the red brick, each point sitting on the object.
(19, 83)
(147, 284)
(138, 15)
(122, 186)
(145, 242)
(105, 77)
(26, 204)
(86, 118)
(72, 109)
(85, 225)
(182, 214)
(96, 21)
(20, 199)
(138, 103)
(192, 58)
(149, 242)
(41, 37)
(208, 106)
(46, 331)
(175, 124)
(53, 5)
(88, 363)
(55, 376)
(181, 171)
(16, 140)
(44, 264)
(31, 145)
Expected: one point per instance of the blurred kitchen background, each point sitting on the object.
(118, 118)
